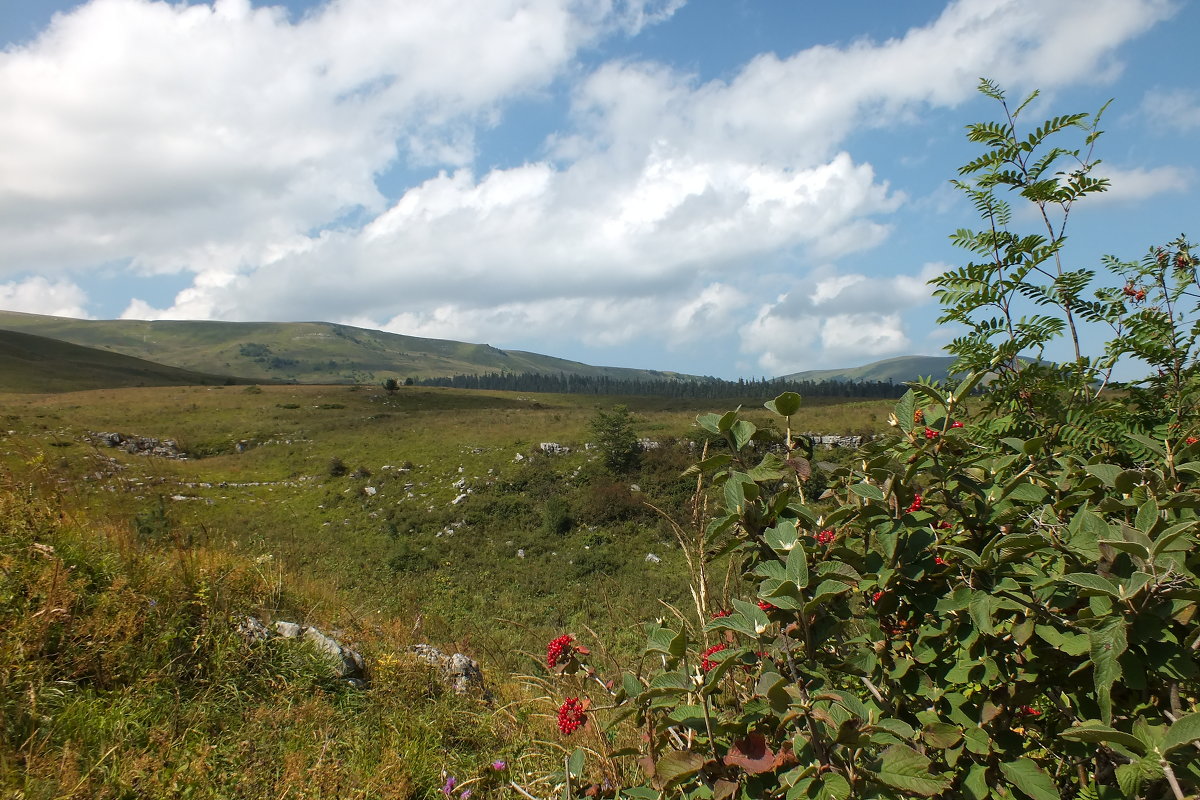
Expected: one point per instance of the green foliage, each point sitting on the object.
(994, 602)
(391, 386)
(614, 436)
(556, 516)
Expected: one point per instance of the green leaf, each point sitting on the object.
(824, 592)
(782, 538)
(1093, 584)
(742, 431)
(929, 391)
(905, 769)
(675, 766)
(576, 762)
(1147, 516)
(1107, 643)
(709, 422)
(1182, 732)
(797, 566)
(830, 786)
(632, 686)
(868, 491)
(941, 735)
(975, 784)
(905, 410)
(1093, 731)
(665, 640)
(785, 404)
(981, 611)
(1106, 472)
(1031, 779)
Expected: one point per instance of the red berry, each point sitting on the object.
(571, 715)
(875, 598)
(1030, 711)
(826, 536)
(707, 663)
(916, 504)
(765, 606)
(558, 650)
(941, 562)
(722, 613)
(956, 424)
(1192, 440)
(943, 525)
(930, 433)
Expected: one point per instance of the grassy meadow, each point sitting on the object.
(424, 515)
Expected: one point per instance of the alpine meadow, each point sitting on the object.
(491, 574)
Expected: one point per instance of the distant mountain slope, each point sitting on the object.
(897, 370)
(31, 363)
(306, 352)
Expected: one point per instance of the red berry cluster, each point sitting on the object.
(724, 612)
(1192, 440)
(1136, 294)
(1030, 711)
(571, 715)
(943, 525)
(765, 606)
(941, 562)
(956, 424)
(875, 598)
(826, 536)
(916, 504)
(707, 663)
(930, 433)
(558, 650)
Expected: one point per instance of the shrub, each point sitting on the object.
(556, 517)
(615, 438)
(995, 605)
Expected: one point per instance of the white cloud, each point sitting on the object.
(169, 133)
(37, 295)
(233, 143)
(1177, 109)
(831, 318)
(1132, 185)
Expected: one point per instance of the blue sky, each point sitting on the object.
(724, 187)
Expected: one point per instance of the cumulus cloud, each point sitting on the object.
(1176, 109)
(1140, 183)
(173, 133)
(833, 317)
(233, 142)
(37, 295)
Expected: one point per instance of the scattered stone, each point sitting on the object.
(460, 673)
(554, 448)
(653, 559)
(138, 445)
(252, 630)
(289, 630)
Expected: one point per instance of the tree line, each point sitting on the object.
(702, 388)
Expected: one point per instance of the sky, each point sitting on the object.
(717, 187)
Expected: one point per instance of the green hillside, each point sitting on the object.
(304, 352)
(31, 363)
(897, 370)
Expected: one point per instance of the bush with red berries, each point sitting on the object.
(1007, 608)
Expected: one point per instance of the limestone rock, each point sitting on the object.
(460, 673)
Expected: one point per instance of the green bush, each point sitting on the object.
(997, 603)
